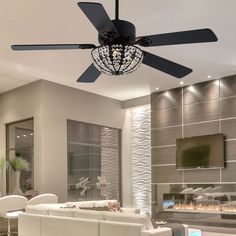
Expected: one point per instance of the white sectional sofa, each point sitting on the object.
(57, 220)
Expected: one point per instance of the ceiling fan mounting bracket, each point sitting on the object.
(126, 34)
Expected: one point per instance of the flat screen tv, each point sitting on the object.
(200, 152)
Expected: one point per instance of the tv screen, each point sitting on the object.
(200, 152)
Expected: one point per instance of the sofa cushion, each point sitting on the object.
(144, 220)
(54, 205)
(102, 203)
(89, 214)
(42, 209)
(81, 204)
(66, 212)
(37, 209)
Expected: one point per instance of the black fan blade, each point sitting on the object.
(165, 65)
(98, 16)
(184, 37)
(90, 75)
(51, 47)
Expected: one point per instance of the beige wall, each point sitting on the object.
(20, 104)
(126, 165)
(51, 105)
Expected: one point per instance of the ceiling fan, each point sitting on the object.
(117, 53)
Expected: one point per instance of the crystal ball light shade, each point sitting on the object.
(117, 59)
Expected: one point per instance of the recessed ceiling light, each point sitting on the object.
(209, 76)
(24, 135)
(191, 88)
(18, 136)
(217, 82)
(157, 89)
(181, 82)
(31, 134)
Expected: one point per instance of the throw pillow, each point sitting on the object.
(114, 206)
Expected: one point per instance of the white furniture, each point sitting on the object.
(68, 220)
(10, 208)
(46, 198)
(48, 225)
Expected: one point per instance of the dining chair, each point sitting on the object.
(46, 198)
(11, 207)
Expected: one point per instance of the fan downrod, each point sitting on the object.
(126, 31)
(117, 9)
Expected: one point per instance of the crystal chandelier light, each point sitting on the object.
(117, 59)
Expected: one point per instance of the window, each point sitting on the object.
(93, 162)
(20, 144)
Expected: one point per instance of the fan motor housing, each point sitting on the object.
(127, 34)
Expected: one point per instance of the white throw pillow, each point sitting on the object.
(61, 212)
(54, 205)
(37, 209)
(102, 203)
(80, 204)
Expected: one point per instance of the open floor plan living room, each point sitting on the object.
(118, 118)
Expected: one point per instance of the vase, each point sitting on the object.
(16, 184)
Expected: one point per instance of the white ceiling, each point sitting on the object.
(61, 21)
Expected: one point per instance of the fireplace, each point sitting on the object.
(211, 203)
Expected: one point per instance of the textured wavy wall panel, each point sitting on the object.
(110, 163)
(141, 158)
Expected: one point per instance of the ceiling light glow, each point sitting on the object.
(191, 88)
(217, 82)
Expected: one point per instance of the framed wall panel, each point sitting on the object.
(93, 151)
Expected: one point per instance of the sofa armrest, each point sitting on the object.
(157, 232)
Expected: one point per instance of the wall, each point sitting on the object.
(126, 164)
(141, 158)
(20, 104)
(51, 105)
(204, 108)
(62, 103)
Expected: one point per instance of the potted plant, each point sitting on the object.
(18, 164)
(3, 164)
